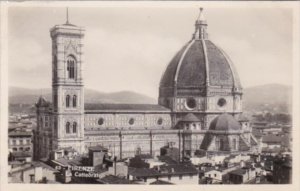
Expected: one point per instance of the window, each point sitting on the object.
(131, 121)
(100, 121)
(191, 103)
(71, 67)
(218, 144)
(14, 142)
(221, 102)
(28, 141)
(234, 144)
(67, 101)
(74, 127)
(21, 142)
(68, 127)
(160, 121)
(15, 149)
(221, 144)
(55, 67)
(27, 149)
(74, 100)
(21, 148)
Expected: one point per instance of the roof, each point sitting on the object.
(41, 164)
(76, 161)
(271, 139)
(167, 159)
(160, 182)
(111, 179)
(125, 107)
(143, 172)
(174, 169)
(21, 154)
(188, 68)
(42, 102)
(242, 118)
(190, 118)
(19, 133)
(144, 156)
(178, 169)
(98, 148)
(224, 122)
(32, 165)
(239, 171)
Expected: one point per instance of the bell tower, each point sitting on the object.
(67, 86)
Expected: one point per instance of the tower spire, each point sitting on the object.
(200, 26)
(67, 22)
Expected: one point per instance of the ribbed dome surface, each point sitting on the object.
(224, 122)
(198, 62)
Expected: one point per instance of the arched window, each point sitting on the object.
(74, 127)
(68, 127)
(71, 67)
(67, 101)
(74, 100)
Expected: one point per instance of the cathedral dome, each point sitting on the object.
(200, 63)
(225, 122)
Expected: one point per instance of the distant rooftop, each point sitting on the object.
(124, 107)
(271, 139)
(111, 179)
(97, 148)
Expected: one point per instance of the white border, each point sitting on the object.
(4, 105)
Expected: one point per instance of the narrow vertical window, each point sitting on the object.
(234, 144)
(74, 127)
(67, 101)
(68, 127)
(221, 144)
(218, 144)
(71, 63)
(55, 67)
(74, 100)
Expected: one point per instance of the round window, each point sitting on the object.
(221, 102)
(100, 121)
(160, 121)
(191, 103)
(131, 121)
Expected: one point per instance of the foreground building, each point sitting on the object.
(199, 105)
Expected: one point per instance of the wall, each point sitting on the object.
(118, 120)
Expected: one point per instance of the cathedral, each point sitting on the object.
(199, 106)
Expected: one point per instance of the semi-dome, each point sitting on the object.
(200, 63)
(225, 122)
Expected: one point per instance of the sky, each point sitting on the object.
(128, 48)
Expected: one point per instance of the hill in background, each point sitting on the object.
(272, 98)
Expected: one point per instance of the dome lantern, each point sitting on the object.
(200, 27)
